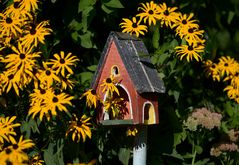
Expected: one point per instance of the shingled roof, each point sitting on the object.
(134, 56)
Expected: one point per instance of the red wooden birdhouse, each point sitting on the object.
(125, 59)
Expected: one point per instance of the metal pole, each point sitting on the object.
(140, 146)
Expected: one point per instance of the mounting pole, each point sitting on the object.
(140, 146)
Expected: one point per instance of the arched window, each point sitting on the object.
(149, 113)
(115, 70)
(126, 110)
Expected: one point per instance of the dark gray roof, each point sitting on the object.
(134, 56)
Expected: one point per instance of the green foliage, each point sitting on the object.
(81, 27)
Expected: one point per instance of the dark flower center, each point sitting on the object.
(166, 13)
(48, 73)
(64, 79)
(190, 30)
(22, 56)
(62, 61)
(134, 25)
(8, 151)
(8, 20)
(8, 162)
(213, 66)
(151, 12)
(226, 64)
(108, 80)
(15, 146)
(10, 76)
(33, 31)
(55, 99)
(190, 48)
(16, 5)
(34, 71)
(184, 21)
(79, 123)
(42, 91)
(93, 92)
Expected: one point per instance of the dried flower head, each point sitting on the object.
(223, 148)
(204, 118)
(233, 135)
(191, 123)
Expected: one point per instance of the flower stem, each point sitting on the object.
(194, 157)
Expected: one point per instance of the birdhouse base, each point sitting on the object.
(117, 122)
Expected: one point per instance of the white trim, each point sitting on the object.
(130, 102)
(145, 103)
(106, 117)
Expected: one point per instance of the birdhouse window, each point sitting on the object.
(115, 70)
(125, 106)
(148, 113)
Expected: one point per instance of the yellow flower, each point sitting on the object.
(91, 98)
(16, 9)
(168, 15)
(131, 131)
(150, 12)
(9, 156)
(232, 93)
(190, 52)
(228, 66)
(212, 70)
(67, 82)
(21, 145)
(62, 63)
(7, 129)
(109, 86)
(36, 160)
(48, 75)
(49, 106)
(10, 25)
(36, 34)
(184, 22)
(79, 128)
(29, 5)
(191, 35)
(10, 79)
(39, 95)
(113, 106)
(21, 63)
(133, 27)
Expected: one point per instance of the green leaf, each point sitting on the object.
(92, 68)
(75, 25)
(179, 138)
(54, 158)
(85, 40)
(85, 76)
(30, 125)
(124, 155)
(229, 108)
(231, 15)
(224, 126)
(204, 161)
(48, 155)
(174, 93)
(84, 4)
(106, 9)
(155, 39)
(114, 4)
(87, 16)
(174, 154)
(199, 149)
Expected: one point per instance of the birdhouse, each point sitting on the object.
(125, 57)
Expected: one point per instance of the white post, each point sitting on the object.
(140, 146)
